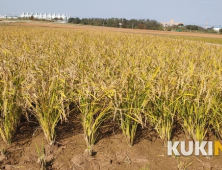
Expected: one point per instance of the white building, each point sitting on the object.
(171, 23)
(12, 17)
(216, 29)
(3, 16)
(8, 17)
(45, 16)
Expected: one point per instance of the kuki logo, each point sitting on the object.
(196, 147)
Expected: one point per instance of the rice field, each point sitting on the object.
(208, 40)
(135, 80)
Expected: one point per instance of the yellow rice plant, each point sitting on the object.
(10, 99)
(45, 95)
(95, 107)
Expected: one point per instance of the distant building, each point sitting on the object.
(12, 17)
(3, 16)
(217, 29)
(45, 16)
(171, 23)
(8, 17)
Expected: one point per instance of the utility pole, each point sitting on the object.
(120, 24)
(206, 24)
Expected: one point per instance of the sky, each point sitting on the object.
(186, 11)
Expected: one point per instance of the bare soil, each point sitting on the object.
(111, 151)
(125, 30)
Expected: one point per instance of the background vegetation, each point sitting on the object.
(114, 22)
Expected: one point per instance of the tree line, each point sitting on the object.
(194, 27)
(115, 22)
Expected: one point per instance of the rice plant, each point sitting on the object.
(95, 107)
(130, 104)
(162, 114)
(46, 101)
(195, 119)
(10, 100)
(41, 156)
(216, 115)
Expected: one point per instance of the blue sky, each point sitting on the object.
(186, 11)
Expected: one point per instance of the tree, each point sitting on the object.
(220, 31)
(74, 20)
(142, 26)
(32, 18)
(194, 27)
(180, 25)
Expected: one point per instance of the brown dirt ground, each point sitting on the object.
(111, 149)
(139, 31)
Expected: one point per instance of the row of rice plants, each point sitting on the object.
(155, 82)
